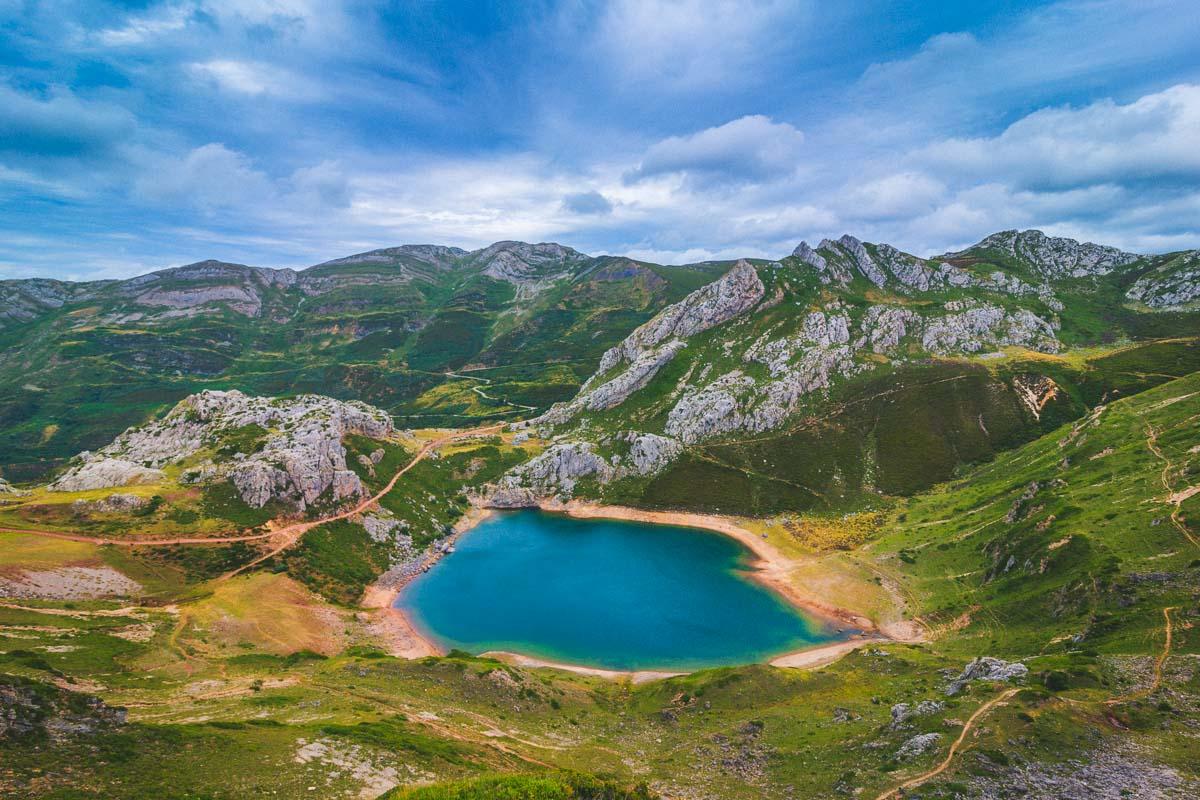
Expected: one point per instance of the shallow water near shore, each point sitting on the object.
(605, 593)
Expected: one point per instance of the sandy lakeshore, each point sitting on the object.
(391, 624)
(771, 567)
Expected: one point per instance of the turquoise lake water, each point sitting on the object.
(604, 593)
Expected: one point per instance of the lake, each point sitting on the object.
(604, 593)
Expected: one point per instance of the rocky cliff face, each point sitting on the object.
(630, 365)
(24, 300)
(298, 454)
(557, 471)
(1052, 256)
(206, 283)
(1174, 284)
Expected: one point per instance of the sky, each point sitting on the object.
(140, 135)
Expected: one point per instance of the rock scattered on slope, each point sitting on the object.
(918, 745)
(30, 708)
(903, 712)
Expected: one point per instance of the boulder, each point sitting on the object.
(986, 668)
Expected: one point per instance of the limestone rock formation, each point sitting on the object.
(298, 459)
(1052, 256)
(100, 472)
(644, 352)
(556, 472)
(529, 267)
(1172, 285)
(918, 745)
(986, 668)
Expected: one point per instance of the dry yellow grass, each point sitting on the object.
(272, 612)
(837, 533)
(36, 552)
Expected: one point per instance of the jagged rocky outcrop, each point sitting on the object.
(1053, 257)
(986, 668)
(556, 471)
(631, 364)
(299, 455)
(1172, 285)
(828, 346)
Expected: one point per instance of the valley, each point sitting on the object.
(976, 474)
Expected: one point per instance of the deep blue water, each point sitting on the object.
(604, 593)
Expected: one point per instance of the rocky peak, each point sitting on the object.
(188, 289)
(521, 262)
(435, 255)
(810, 257)
(1053, 256)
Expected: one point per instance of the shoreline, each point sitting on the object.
(769, 567)
(394, 626)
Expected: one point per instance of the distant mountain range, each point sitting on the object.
(531, 323)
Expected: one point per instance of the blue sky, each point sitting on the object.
(146, 134)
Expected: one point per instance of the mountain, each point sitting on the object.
(532, 324)
(852, 370)
(81, 362)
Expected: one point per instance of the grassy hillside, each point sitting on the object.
(74, 376)
(257, 686)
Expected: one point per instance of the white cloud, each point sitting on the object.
(140, 29)
(752, 148)
(321, 186)
(902, 194)
(688, 44)
(255, 78)
(1152, 138)
(211, 177)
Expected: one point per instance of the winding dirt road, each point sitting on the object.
(288, 534)
(913, 783)
(291, 534)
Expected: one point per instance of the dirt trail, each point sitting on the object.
(912, 783)
(1175, 498)
(101, 540)
(1158, 665)
(290, 534)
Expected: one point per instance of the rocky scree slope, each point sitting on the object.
(288, 450)
(755, 348)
